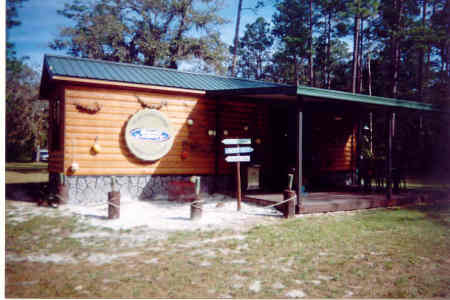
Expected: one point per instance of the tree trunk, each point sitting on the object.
(236, 38)
(370, 74)
(310, 63)
(355, 52)
(328, 60)
(360, 61)
(422, 54)
(396, 48)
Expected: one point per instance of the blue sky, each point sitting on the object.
(41, 24)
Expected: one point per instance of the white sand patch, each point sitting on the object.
(255, 286)
(53, 258)
(228, 251)
(237, 277)
(205, 264)
(325, 278)
(278, 286)
(348, 294)
(172, 216)
(242, 247)
(285, 270)
(237, 285)
(239, 261)
(100, 258)
(315, 282)
(204, 252)
(152, 261)
(90, 234)
(295, 294)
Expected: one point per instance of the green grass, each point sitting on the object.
(20, 166)
(26, 172)
(382, 253)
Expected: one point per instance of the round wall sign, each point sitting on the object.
(148, 135)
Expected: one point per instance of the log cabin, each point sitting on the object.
(151, 127)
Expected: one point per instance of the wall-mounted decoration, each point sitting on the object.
(74, 167)
(90, 108)
(144, 104)
(148, 135)
(96, 147)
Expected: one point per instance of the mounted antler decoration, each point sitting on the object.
(152, 106)
(89, 108)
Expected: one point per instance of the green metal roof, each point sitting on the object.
(361, 98)
(138, 74)
(214, 85)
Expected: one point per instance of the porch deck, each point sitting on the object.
(320, 202)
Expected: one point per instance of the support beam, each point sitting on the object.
(390, 117)
(299, 156)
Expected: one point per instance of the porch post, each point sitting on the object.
(390, 128)
(299, 156)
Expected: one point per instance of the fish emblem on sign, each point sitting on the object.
(148, 134)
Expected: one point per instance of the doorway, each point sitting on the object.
(283, 154)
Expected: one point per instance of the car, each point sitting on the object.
(43, 155)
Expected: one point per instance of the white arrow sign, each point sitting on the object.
(238, 150)
(244, 158)
(237, 141)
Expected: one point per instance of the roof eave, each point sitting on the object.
(365, 99)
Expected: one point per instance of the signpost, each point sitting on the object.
(238, 150)
(238, 159)
(237, 141)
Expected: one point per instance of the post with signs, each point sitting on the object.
(238, 158)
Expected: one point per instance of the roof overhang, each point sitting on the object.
(316, 95)
(388, 103)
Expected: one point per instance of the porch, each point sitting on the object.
(321, 202)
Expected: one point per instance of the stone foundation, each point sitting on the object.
(94, 189)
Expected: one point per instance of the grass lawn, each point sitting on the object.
(382, 253)
(26, 172)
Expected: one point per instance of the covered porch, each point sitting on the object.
(315, 135)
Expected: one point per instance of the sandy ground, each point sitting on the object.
(219, 212)
(140, 222)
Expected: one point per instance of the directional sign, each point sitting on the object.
(238, 150)
(237, 158)
(237, 141)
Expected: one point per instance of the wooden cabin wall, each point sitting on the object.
(233, 117)
(56, 155)
(334, 143)
(117, 106)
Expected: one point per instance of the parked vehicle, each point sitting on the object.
(43, 154)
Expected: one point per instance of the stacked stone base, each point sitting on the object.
(94, 189)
